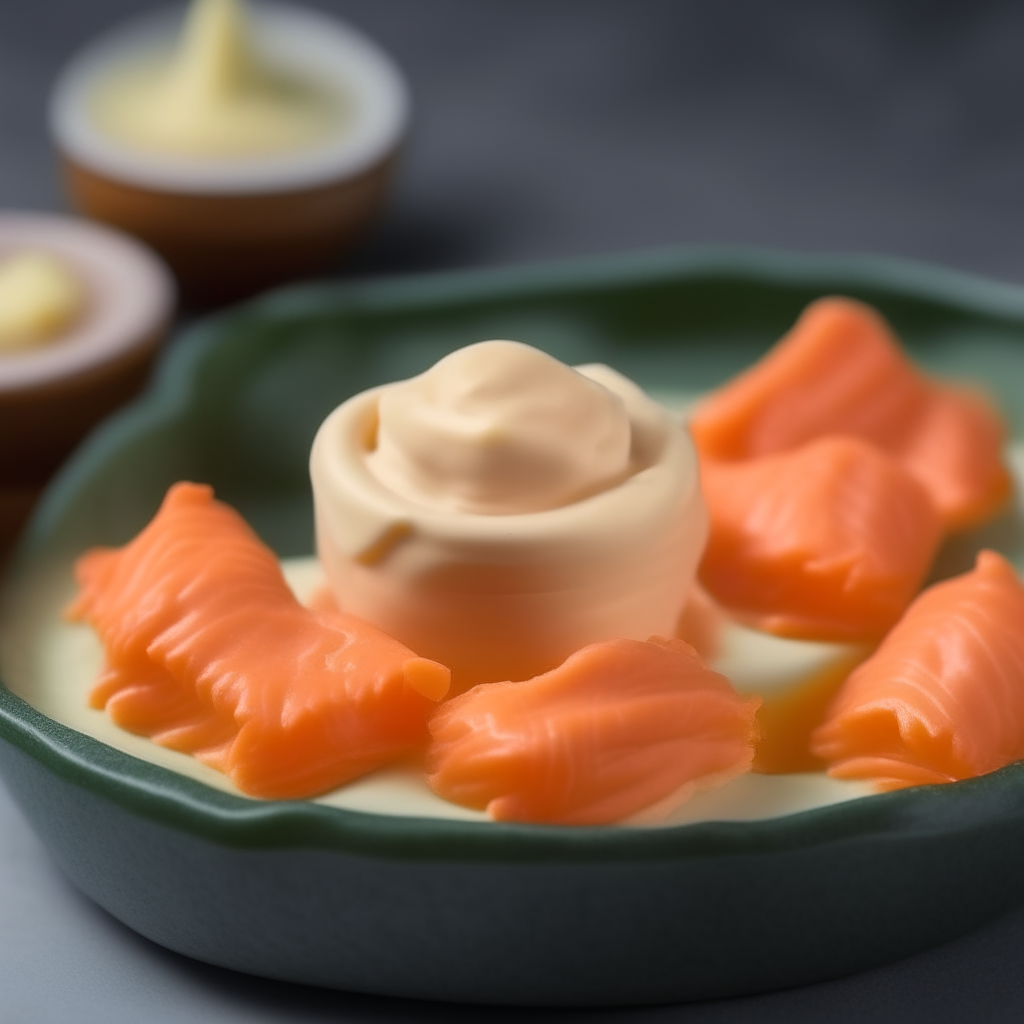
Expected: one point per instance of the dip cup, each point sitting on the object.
(53, 393)
(499, 597)
(231, 226)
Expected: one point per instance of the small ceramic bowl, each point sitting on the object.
(52, 394)
(230, 226)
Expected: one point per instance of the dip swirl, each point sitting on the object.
(500, 428)
(502, 510)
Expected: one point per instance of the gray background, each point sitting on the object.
(557, 128)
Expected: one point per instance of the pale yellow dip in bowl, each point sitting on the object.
(248, 144)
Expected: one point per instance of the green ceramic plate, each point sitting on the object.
(483, 912)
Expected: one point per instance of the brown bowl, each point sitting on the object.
(223, 247)
(52, 395)
(233, 226)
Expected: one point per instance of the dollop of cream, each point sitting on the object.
(40, 299)
(500, 428)
(502, 510)
(215, 95)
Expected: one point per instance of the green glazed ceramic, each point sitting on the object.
(459, 910)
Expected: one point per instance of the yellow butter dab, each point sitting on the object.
(40, 299)
(215, 95)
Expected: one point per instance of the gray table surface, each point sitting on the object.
(557, 128)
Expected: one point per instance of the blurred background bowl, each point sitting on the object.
(232, 226)
(51, 395)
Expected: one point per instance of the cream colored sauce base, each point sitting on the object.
(52, 665)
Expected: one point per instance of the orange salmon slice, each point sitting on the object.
(208, 652)
(840, 370)
(620, 727)
(943, 696)
(828, 541)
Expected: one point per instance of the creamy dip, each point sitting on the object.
(503, 510)
(215, 95)
(500, 428)
(41, 297)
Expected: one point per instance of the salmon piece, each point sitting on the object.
(620, 727)
(208, 652)
(956, 452)
(840, 370)
(828, 541)
(943, 697)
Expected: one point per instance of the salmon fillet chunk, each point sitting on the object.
(828, 541)
(943, 696)
(620, 727)
(208, 652)
(840, 370)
